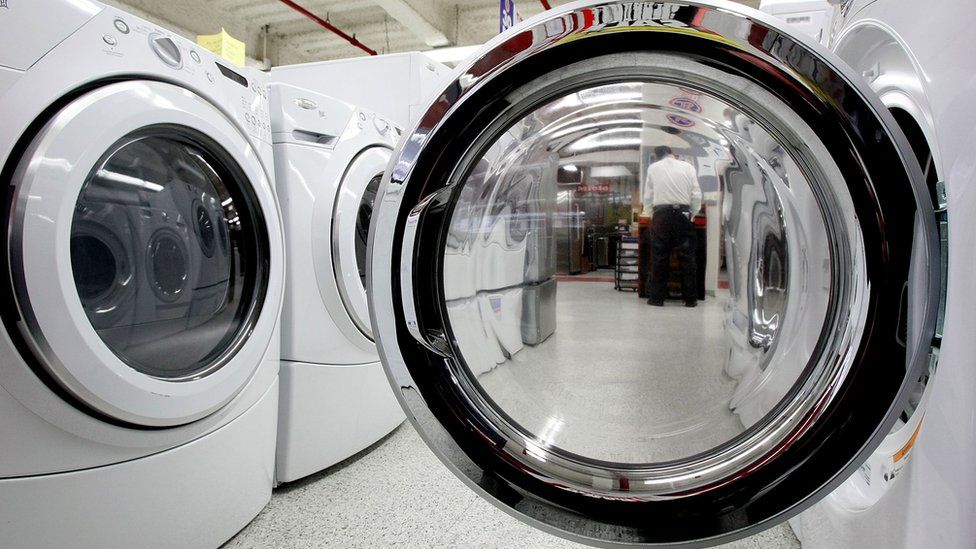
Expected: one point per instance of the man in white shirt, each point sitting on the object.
(672, 197)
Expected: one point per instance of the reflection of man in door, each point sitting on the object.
(673, 197)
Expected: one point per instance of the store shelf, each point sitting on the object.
(626, 273)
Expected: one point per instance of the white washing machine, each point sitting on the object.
(143, 262)
(918, 489)
(835, 265)
(329, 159)
(399, 86)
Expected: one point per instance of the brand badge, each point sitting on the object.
(306, 104)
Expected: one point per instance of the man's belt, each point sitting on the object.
(677, 207)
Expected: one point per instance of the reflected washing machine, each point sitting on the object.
(329, 159)
(143, 261)
(398, 85)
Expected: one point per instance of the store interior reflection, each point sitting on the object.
(546, 273)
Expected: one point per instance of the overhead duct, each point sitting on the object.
(351, 39)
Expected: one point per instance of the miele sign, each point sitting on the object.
(638, 13)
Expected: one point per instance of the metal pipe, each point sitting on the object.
(351, 39)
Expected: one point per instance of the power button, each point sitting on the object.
(121, 26)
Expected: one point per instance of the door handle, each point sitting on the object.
(408, 251)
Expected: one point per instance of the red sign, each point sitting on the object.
(594, 188)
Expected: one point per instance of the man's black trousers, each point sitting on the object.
(671, 229)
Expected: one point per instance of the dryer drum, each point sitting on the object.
(205, 230)
(102, 266)
(168, 265)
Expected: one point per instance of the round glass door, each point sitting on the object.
(772, 217)
(163, 260)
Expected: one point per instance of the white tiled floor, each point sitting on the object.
(622, 381)
(398, 494)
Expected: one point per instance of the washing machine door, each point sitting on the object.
(140, 245)
(350, 231)
(584, 411)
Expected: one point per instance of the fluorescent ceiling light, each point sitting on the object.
(610, 171)
(122, 179)
(570, 168)
(607, 143)
(454, 54)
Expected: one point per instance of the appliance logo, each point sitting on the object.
(306, 104)
(680, 121)
(3, 4)
(685, 104)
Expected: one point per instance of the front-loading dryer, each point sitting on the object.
(329, 159)
(918, 488)
(143, 261)
(635, 425)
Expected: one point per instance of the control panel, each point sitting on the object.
(243, 92)
(301, 115)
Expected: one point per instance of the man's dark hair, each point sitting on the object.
(662, 151)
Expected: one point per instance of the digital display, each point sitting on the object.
(232, 75)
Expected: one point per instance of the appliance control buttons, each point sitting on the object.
(382, 126)
(121, 26)
(166, 49)
(362, 116)
(109, 39)
(195, 56)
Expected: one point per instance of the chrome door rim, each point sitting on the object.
(457, 442)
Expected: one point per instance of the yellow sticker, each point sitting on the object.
(224, 45)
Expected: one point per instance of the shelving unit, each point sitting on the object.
(626, 275)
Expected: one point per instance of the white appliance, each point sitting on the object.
(808, 16)
(397, 85)
(918, 489)
(335, 401)
(834, 270)
(143, 263)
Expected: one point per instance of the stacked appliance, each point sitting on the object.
(329, 159)
(398, 85)
(143, 262)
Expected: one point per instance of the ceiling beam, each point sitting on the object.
(422, 17)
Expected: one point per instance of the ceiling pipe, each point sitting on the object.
(351, 39)
(545, 4)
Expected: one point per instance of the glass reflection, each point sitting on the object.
(583, 367)
(161, 257)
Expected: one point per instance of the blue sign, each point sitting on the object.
(507, 16)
